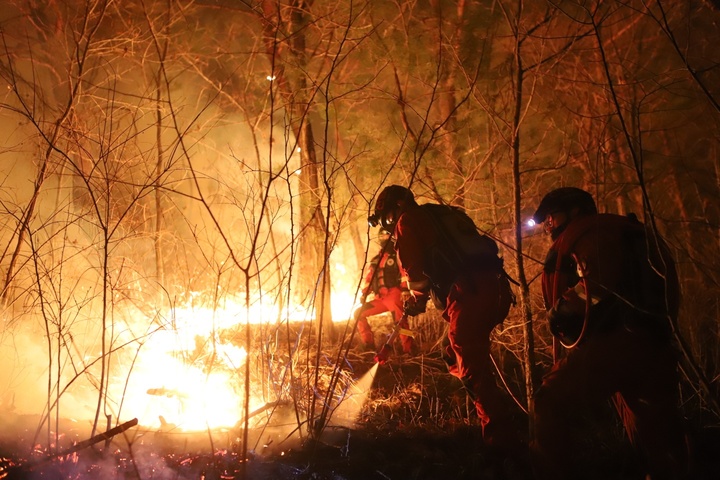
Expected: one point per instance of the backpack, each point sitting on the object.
(461, 249)
(651, 282)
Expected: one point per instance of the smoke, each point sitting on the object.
(24, 376)
(24, 370)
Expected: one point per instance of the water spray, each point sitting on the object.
(347, 413)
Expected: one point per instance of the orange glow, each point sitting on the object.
(187, 377)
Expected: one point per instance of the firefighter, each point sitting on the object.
(443, 256)
(611, 293)
(383, 281)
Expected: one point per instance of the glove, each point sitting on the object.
(565, 323)
(382, 355)
(414, 306)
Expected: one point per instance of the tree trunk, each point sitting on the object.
(528, 354)
(313, 269)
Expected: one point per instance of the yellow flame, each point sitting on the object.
(169, 388)
(186, 377)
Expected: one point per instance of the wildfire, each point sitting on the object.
(186, 376)
(172, 387)
(184, 368)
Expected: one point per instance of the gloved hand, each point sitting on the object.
(414, 306)
(565, 322)
(383, 354)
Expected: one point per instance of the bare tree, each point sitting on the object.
(220, 155)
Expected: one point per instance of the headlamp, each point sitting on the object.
(374, 220)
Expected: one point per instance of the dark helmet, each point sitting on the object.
(387, 202)
(564, 199)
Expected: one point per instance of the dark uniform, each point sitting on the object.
(611, 291)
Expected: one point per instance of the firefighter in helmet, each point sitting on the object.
(611, 292)
(443, 256)
(383, 281)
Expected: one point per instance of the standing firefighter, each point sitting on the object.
(444, 256)
(611, 291)
(383, 281)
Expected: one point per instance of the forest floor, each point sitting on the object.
(416, 423)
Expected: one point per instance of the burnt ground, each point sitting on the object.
(417, 424)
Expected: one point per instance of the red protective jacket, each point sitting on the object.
(609, 261)
(382, 273)
(477, 297)
(437, 245)
(415, 235)
(625, 354)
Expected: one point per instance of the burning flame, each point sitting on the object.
(167, 387)
(186, 376)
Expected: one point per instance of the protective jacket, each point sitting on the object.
(442, 253)
(382, 278)
(604, 263)
(383, 272)
(611, 291)
(437, 245)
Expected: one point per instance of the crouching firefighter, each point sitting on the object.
(383, 281)
(443, 256)
(611, 291)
